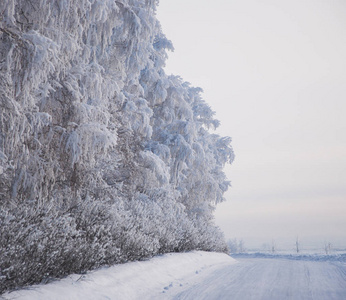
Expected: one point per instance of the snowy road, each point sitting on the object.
(260, 278)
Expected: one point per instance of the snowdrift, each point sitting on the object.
(152, 279)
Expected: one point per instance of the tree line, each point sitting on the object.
(103, 157)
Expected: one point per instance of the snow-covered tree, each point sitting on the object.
(103, 157)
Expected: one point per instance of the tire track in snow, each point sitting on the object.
(272, 279)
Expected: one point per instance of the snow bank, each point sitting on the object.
(152, 279)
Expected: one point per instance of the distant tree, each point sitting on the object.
(327, 247)
(236, 246)
(297, 245)
(241, 246)
(233, 245)
(273, 248)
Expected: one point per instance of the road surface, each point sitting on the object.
(272, 278)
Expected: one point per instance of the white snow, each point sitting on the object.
(204, 275)
(272, 279)
(156, 278)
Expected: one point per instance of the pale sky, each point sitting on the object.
(275, 73)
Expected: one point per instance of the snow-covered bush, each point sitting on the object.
(103, 157)
(36, 242)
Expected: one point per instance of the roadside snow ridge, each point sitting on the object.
(156, 278)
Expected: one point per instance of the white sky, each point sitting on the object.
(275, 73)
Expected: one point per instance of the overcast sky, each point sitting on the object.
(275, 73)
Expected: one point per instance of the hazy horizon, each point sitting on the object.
(275, 73)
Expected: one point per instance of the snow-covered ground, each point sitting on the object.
(158, 278)
(204, 275)
(272, 279)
